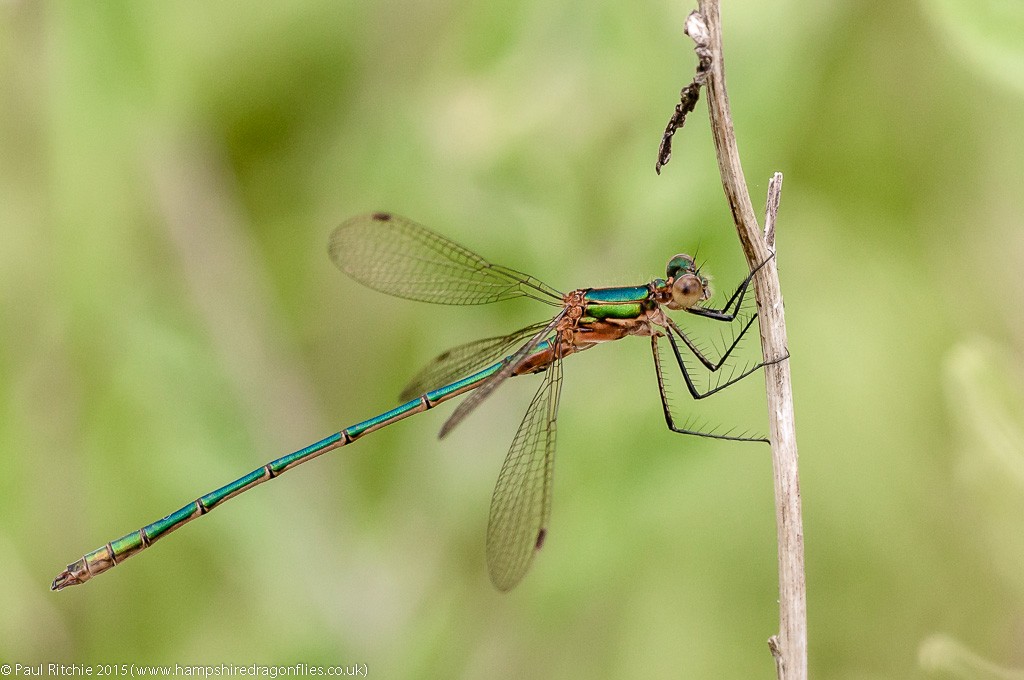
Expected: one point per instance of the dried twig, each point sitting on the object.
(771, 210)
(789, 647)
(689, 95)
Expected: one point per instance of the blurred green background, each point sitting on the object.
(169, 319)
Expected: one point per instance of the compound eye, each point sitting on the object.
(679, 265)
(687, 291)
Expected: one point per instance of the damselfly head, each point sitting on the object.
(688, 286)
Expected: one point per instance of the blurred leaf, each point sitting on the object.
(945, 656)
(989, 33)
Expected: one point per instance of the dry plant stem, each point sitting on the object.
(771, 211)
(790, 646)
(688, 98)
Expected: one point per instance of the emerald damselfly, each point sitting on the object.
(401, 258)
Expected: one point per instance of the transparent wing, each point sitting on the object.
(487, 388)
(521, 504)
(396, 256)
(464, 360)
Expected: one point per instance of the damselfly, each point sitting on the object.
(399, 257)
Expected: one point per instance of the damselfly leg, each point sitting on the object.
(729, 312)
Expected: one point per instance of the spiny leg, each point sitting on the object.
(694, 392)
(712, 366)
(737, 296)
(669, 419)
(722, 314)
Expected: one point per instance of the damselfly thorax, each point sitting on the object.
(399, 257)
(596, 315)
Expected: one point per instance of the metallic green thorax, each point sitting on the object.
(627, 302)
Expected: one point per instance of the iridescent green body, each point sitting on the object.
(627, 302)
(401, 258)
(118, 550)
